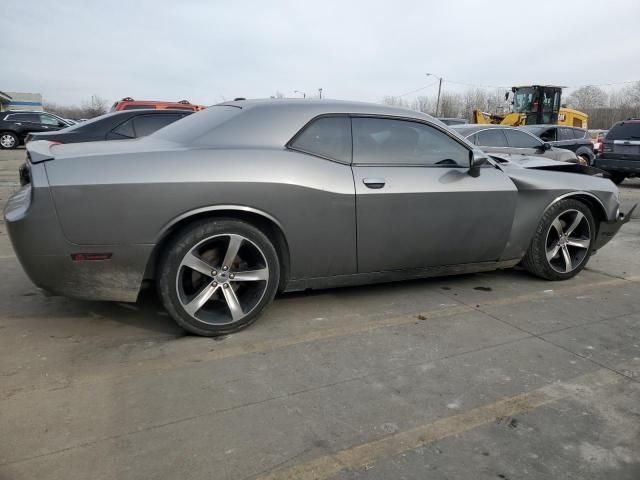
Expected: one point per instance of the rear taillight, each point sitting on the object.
(600, 147)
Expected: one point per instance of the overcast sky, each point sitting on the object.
(207, 51)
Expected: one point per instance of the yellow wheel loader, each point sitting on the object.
(535, 105)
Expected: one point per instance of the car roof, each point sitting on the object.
(470, 128)
(331, 106)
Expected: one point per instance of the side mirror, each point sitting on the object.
(62, 124)
(476, 160)
(546, 146)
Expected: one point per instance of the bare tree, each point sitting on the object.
(95, 107)
(588, 97)
(395, 101)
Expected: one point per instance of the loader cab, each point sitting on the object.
(539, 103)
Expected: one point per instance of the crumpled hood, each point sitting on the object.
(543, 163)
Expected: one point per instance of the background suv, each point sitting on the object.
(16, 125)
(575, 139)
(621, 150)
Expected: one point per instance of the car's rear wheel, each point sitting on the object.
(217, 276)
(9, 140)
(617, 177)
(561, 245)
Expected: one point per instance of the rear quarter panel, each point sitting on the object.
(131, 199)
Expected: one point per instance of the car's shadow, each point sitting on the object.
(148, 314)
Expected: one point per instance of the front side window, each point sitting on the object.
(518, 139)
(49, 120)
(565, 134)
(548, 135)
(328, 137)
(402, 142)
(491, 138)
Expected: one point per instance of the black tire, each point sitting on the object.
(9, 140)
(617, 177)
(206, 239)
(543, 242)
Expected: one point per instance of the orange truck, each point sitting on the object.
(129, 103)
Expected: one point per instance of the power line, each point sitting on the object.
(418, 89)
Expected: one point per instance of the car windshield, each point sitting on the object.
(624, 131)
(194, 126)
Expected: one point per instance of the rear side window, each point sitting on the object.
(328, 137)
(139, 107)
(518, 139)
(491, 138)
(125, 129)
(24, 117)
(147, 124)
(624, 131)
(385, 141)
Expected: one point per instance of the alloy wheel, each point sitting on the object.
(222, 279)
(568, 241)
(7, 141)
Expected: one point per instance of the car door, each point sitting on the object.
(28, 122)
(417, 204)
(566, 139)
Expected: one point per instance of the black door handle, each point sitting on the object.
(374, 182)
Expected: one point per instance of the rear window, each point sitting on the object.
(197, 124)
(624, 131)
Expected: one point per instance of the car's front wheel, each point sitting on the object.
(217, 276)
(561, 245)
(9, 140)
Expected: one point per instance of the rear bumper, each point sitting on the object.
(618, 165)
(608, 230)
(46, 255)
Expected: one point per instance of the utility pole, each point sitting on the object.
(320, 92)
(439, 90)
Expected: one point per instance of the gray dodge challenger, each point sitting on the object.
(230, 205)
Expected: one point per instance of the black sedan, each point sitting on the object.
(121, 125)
